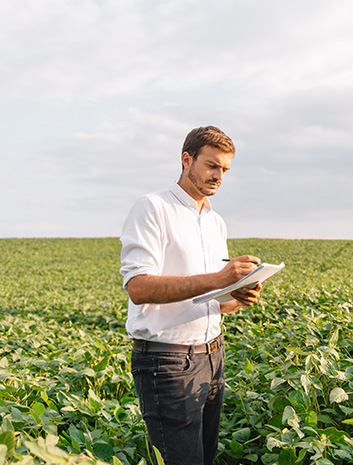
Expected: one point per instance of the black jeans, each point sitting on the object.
(181, 397)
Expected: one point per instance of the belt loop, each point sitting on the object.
(191, 351)
(144, 347)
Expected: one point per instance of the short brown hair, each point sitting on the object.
(209, 135)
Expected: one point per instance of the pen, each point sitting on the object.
(228, 260)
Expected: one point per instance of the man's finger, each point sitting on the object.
(247, 296)
(248, 258)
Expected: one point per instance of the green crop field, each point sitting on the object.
(66, 392)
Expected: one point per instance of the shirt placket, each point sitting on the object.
(205, 251)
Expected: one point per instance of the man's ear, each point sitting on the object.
(186, 160)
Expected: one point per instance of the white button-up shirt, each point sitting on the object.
(165, 235)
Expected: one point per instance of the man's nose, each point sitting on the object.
(218, 174)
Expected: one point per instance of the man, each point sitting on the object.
(173, 244)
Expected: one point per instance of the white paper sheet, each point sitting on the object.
(262, 272)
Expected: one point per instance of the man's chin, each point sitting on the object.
(209, 192)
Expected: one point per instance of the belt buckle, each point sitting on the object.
(212, 346)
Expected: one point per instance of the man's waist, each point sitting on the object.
(151, 346)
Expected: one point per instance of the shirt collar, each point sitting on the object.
(187, 200)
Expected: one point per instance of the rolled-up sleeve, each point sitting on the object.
(141, 251)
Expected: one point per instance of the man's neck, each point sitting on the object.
(200, 200)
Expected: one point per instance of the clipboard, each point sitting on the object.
(262, 272)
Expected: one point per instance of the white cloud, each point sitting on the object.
(83, 51)
(98, 97)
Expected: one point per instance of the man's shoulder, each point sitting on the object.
(216, 215)
(152, 201)
(217, 218)
(157, 196)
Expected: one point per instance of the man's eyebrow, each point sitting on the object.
(215, 163)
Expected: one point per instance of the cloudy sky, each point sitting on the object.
(96, 97)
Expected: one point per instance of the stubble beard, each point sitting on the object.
(198, 183)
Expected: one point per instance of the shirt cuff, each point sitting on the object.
(138, 272)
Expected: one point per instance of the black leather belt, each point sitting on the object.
(207, 348)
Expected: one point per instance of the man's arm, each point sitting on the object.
(166, 289)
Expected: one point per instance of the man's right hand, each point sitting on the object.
(237, 268)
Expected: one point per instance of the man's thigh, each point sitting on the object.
(173, 391)
(213, 407)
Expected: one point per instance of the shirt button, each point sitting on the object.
(154, 373)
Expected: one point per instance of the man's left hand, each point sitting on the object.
(247, 296)
(242, 298)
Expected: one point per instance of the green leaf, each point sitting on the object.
(3, 453)
(349, 421)
(324, 462)
(346, 410)
(51, 440)
(122, 457)
(242, 435)
(341, 454)
(301, 456)
(4, 363)
(39, 449)
(334, 435)
(75, 445)
(277, 382)
(93, 396)
(287, 457)
(76, 434)
(68, 408)
(270, 459)
(306, 383)
(51, 428)
(102, 365)
(338, 395)
(103, 451)
(324, 418)
(39, 408)
(4, 374)
(248, 368)
(159, 458)
(16, 415)
(6, 425)
(289, 414)
(120, 414)
(279, 403)
(8, 439)
(297, 351)
(116, 461)
(35, 416)
(311, 419)
(251, 457)
(299, 400)
(273, 442)
(85, 372)
(276, 420)
(236, 447)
